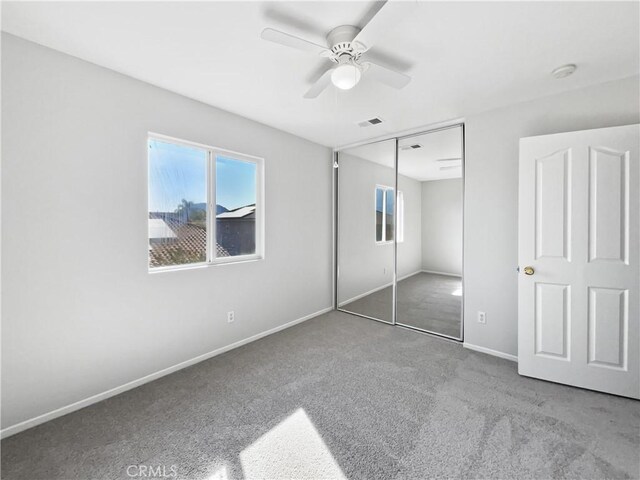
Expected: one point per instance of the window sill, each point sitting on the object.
(236, 259)
(216, 263)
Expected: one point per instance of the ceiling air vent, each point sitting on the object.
(371, 121)
(411, 147)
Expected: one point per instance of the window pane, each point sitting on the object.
(177, 204)
(379, 213)
(389, 215)
(236, 191)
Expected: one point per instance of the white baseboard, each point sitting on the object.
(495, 353)
(45, 417)
(358, 297)
(409, 275)
(377, 289)
(442, 273)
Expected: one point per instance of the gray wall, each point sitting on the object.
(410, 251)
(364, 265)
(81, 314)
(442, 226)
(491, 195)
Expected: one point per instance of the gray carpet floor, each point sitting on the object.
(425, 301)
(340, 396)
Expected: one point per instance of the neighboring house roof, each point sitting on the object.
(158, 229)
(189, 245)
(238, 212)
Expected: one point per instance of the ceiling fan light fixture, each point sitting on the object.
(346, 76)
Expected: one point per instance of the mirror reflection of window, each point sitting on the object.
(384, 214)
(390, 200)
(379, 214)
(400, 216)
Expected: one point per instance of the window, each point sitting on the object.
(384, 214)
(400, 217)
(205, 205)
(236, 187)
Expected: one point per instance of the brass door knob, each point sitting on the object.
(529, 271)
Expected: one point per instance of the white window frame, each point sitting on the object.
(385, 189)
(400, 219)
(212, 154)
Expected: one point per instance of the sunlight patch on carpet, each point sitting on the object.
(292, 449)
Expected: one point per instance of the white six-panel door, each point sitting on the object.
(579, 304)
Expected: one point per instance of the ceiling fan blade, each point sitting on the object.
(387, 76)
(386, 19)
(320, 84)
(292, 41)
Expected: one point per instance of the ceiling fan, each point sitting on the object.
(347, 47)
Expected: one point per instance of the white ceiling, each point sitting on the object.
(382, 153)
(464, 57)
(439, 157)
(441, 148)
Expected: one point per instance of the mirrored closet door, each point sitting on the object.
(366, 198)
(430, 184)
(400, 227)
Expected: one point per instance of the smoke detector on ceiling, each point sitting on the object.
(564, 71)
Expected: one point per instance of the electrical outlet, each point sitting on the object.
(482, 317)
(231, 316)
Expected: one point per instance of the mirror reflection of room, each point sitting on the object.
(366, 181)
(430, 198)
